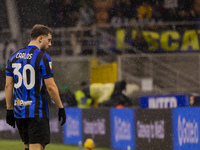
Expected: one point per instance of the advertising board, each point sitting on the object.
(186, 123)
(153, 129)
(96, 125)
(122, 128)
(73, 126)
(164, 101)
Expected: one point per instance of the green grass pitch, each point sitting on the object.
(18, 145)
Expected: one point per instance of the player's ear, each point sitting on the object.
(40, 38)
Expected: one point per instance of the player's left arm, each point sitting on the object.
(9, 92)
(53, 91)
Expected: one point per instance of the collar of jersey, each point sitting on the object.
(32, 46)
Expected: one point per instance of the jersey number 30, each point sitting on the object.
(23, 76)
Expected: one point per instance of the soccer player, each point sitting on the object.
(29, 73)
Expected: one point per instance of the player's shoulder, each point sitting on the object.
(24, 49)
(46, 55)
(15, 53)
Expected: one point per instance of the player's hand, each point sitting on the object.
(10, 118)
(61, 115)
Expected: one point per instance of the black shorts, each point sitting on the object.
(34, 130)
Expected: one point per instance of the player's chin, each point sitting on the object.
(46, 48)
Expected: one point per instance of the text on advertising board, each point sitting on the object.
(187, 131)
(153, 130)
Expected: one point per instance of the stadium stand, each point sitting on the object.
(110, 44)
(3, 17)
(156, 56)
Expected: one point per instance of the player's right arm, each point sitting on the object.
(9, 92)
(9, 101)
(9, 87)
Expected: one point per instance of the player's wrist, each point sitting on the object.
(10, 110)
(61, 109)
(60, 106)
(61, 114)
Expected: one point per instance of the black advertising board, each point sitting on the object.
(153, 128)
(56, 130)
(96, 125)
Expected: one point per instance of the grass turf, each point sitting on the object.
(18, 145)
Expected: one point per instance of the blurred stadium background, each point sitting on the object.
(160, 52)
(157, 52)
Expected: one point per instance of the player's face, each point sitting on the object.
(46, 42)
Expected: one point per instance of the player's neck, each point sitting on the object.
(34, 43)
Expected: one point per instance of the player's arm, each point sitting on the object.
(51, 86)
(9, 101)
(9, 92)
(53, 91)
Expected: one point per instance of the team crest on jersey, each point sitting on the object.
(22, 103)
(50, 65)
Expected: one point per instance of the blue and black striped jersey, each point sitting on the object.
(29, 67)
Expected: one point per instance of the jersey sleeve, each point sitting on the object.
(9, 69)
(46, 66)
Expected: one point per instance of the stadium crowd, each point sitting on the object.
(70, 13)
(120, 12)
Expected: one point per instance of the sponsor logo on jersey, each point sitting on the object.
(22, 103)
(50, 65)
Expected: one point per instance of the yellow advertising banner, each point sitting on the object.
(159, 41)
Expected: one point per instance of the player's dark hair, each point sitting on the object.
(38, 30)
